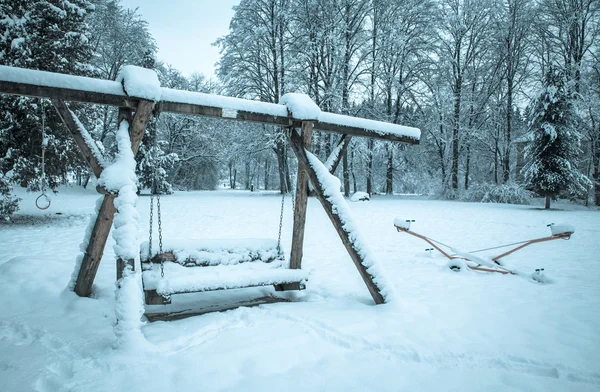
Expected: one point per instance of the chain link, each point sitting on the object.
(160, 241)
(285, 189)
(150, 231)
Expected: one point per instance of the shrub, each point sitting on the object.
(8, 202)
(498, 193)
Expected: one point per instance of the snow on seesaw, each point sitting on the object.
(448, 331)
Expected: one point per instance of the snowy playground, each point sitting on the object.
(444, 330)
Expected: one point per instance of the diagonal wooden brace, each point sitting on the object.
(298, 148)
(67, 117)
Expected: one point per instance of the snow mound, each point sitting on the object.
(402, 223)
(121, 172)
(301, 107)
(140, 82)
(210, 252)
(561, 229)
(360, 196)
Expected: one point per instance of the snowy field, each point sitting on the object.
(447, 331)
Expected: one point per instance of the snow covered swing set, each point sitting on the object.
(225, 264)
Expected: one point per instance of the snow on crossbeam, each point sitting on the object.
(26, 82)
(32, 83)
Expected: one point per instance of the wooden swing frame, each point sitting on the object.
(137, 111)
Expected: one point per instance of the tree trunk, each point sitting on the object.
(496, 164)
(370, 147)
(456, 132)
(284, 185)
(247, 181)
(507, 137)
(234, 178)
(266, 174)
(547, 205)
(352, 171)
(596, 176)
(389, 173)
(468, 165)
(346, 173)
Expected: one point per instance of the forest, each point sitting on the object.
(505, 92)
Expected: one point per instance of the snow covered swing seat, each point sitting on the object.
(224, 264)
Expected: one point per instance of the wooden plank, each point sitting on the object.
(217, 112)
(67, 94)
(301, 202)
(355, 131)
(139, 123)
(124, 101)
(297, 144)
(344, 142)
(153, 298)
(292, 283)
(67, 118)
(181, 314)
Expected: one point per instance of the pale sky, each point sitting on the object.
(185, 29)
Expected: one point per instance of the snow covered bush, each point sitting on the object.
(8, 203)
(510, 193)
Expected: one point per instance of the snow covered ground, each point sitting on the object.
(448, 331)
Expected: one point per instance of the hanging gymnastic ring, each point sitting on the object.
(43, 197)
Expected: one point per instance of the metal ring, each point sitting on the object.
(47, 203)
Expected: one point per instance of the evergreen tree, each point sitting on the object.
(555, 142)
(48, 36)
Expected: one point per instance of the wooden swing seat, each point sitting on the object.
(222, 265)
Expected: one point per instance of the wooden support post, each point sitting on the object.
(297, 144)
(95, 248)
(301, 201)
(67, 117)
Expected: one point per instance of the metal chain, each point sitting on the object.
(150, 231)
(285, 190)
(160, 242)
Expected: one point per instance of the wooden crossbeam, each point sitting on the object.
(105, 92)
(297, 144)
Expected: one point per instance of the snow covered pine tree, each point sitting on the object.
(555, 142)
(48, 36)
